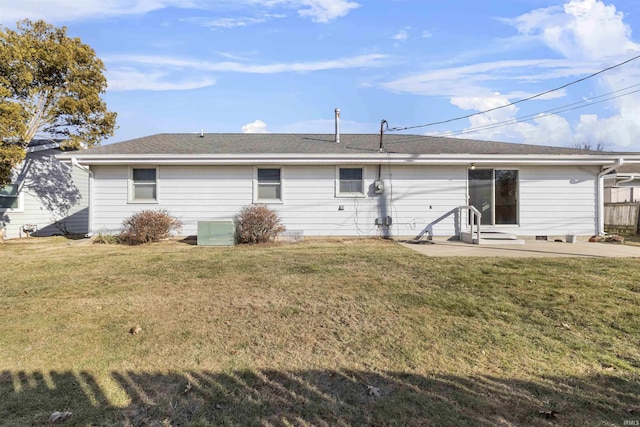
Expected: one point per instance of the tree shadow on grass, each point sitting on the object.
(318, 397)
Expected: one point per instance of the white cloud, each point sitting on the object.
(126, 79)
(256, 127)
(71, 10)
(402, 35)
(589, 35)
(361, 61)
(477, 79)
(426, 34)
(582, 29)
(592, 30)
(232, 22)
(325, 10)
(551, 130)
(616, 133)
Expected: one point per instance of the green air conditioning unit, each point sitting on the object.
(216, 233)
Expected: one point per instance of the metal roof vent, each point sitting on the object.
(337, 111)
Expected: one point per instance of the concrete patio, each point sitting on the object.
(531, 249)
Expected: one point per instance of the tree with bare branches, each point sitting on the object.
(589, 146)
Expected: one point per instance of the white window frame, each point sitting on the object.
(350, 194)
(131, 186)
(20, 198)
(256, 184)
(493, 196)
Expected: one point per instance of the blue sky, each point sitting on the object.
(285, 65)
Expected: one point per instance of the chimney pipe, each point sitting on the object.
(337, 111)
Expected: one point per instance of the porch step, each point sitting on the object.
(491, 238)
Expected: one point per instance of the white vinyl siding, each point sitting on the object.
(553, 200)
(143, 185)
(558, 200)
(54, 196)
(350, 181)
(268, 185)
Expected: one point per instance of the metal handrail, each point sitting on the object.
(476, 219)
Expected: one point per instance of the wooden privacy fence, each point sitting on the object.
(621, 217)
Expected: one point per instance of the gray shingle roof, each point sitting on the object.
(273, 143)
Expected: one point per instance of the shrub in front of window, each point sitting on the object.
(148, 226)
(257, 224)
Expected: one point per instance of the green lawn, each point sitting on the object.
(361, 332)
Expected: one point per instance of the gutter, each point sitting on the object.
(74, 162)
(600, 193)
(342, 158)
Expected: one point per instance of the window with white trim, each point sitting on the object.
(350, 182)
(143, 185)
(268, 185)
(11, 198)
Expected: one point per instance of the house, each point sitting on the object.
(352, 185)
(622, 184)
(45, 197)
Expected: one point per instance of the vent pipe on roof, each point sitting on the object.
(337, 111)
(202, 133)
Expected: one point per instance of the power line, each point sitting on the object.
(397, 129)
(562, 109)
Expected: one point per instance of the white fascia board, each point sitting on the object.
(42, 147)
(333, 159)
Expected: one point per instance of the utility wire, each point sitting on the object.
(397, 129)
(562, 109)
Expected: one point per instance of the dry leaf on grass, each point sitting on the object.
(136, 329)
(373, 391)
(58, 417)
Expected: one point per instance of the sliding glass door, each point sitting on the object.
(494, 192)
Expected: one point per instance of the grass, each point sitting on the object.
(318, 333)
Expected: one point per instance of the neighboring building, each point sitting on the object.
(413, 186)
(623, 184)
(46, 197)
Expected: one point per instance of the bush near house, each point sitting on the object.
(257, 224)
(148, 226)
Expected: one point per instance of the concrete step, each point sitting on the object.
(491, 238)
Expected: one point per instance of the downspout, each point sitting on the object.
(630, 178)
(75, 163)
(600, 194)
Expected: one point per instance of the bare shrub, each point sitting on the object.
(257, 224)
(148, 226)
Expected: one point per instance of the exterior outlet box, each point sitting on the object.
(387, 220)
(378, 187)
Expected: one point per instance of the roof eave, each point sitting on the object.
(323, 159)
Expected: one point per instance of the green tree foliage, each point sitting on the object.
(10, 155)
(50, 84)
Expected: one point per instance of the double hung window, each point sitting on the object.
(268, 185)
(10, 198)
(143, 185)
(350, 182)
